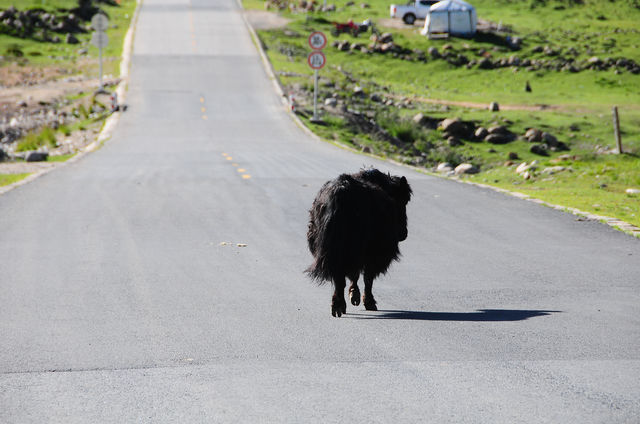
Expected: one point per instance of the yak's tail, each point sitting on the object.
(329, 231)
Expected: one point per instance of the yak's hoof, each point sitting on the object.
(369, 303)
(354, 295)
(338, 307)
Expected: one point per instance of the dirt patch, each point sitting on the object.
(474, 105)
(261, 19)
(25, 167)
(399, 23)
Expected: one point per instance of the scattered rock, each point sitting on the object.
(387, 37)
(533, 135)
(454, 141)
(513, 156)
(539, 149)
(553, 169)
(455, 127)
(466, 168)
(36, 156)
(485, 63)
(481, 133)
(444, 167)
(632, 191)
(494, 107)
(358, 91)
(331, 102)
(433, 52)
(496, 139)
(420, 119)
(72, 39)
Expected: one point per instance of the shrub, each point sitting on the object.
(35, 140)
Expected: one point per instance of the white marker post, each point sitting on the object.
(316, 60)
(100, 23)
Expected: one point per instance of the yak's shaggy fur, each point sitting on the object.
(355, 225)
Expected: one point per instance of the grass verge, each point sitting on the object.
(7, 179)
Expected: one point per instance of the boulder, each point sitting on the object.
(420, 119)
(455, 127)
(466, 168)
(539, 149)
(494, 107)
(387, 37)
(485, 63)
(36, 156)
(433, 52)
(454, 141)
(358, 91)
(72, 39)
(533, 135)
(549, 139)
(444, 167)
(331, 102)
(553, 169)
(387, 47)
(497, 138)
(481, 133)
(523, 167)
(513, 156)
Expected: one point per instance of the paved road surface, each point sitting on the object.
(118, 302)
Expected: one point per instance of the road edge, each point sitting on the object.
(616, 223)
(110, 123)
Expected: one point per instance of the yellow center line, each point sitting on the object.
(203, 109)
(201, 99)
(229, 158)
(246, 176)
(205, 117)
(224, 154)
(241, 170)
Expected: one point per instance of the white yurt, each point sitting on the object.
(454, 17)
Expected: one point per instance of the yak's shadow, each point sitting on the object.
(481, 315)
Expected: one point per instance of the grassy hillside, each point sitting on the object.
(36, 45)
(578, 58)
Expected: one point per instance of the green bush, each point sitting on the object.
(401, 128)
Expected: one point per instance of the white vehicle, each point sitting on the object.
(412, 10)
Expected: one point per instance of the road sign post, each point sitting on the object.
(100, 23)
(316, 61)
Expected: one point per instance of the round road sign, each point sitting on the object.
(317, 40)
(100, 39)
(99, 22)
(316, 59)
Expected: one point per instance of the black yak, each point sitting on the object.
(356, 222)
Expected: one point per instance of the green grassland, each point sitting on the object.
(578, 104)
(6, 179)
(32, 50)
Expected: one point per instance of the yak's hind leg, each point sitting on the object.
(338, 304)
(367, 297)
(354, 291)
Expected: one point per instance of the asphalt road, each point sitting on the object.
(125, 297)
